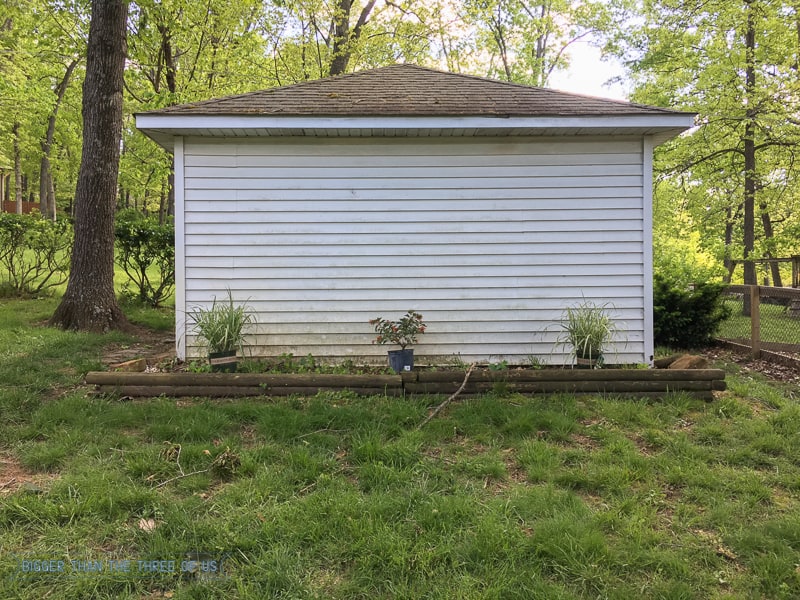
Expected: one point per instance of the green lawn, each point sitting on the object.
(337, 496)
(776, 324)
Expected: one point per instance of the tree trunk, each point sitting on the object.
(171, 69)
(171, 188)
(17, 168)
(749, 153)
(730, 265)
(162, 204)
(89, 302)
(343, 37)
(769, 233)
(44, 173)
(47, 199)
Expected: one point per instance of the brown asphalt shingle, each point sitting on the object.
(409, 90)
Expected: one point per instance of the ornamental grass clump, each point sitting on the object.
(222, 326)
(403, 332)
(587, 329)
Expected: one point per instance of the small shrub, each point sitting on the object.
(403, 332)
(687, 318)
(34, 253)
(146, 252)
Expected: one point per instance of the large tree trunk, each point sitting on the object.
(89, 302)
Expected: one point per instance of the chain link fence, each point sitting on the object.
(764, 319)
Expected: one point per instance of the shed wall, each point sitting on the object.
(489, 238)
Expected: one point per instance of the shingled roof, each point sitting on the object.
(411, 91)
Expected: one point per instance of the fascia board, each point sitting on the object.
(176, 123)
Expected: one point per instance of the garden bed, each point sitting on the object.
(651, 383)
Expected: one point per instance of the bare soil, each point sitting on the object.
(772, 370)
(14, 477)
(156, 347)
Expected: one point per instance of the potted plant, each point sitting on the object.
(222, 329)
(587, 330)
(402, 333)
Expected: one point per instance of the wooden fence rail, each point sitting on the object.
(795, 260)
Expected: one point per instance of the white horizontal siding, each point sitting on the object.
(248, 198)
(211, 159)
(490, 239)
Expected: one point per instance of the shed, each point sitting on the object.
(487, 206)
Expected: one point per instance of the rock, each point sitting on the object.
(690, 361)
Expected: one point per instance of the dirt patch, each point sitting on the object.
(14, 477)
(516, 472)
(157, 348)
(772, 370)
(643, 446)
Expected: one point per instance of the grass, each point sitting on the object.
(337, 496)
(776, 324)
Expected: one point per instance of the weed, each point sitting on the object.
(499, 366)
(199, 366)
(226, 464)
(536, 362)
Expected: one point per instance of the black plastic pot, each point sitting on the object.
(401, 360)
(223, 362)
(588, 363)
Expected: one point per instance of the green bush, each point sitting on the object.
(146, 252)
(34, 253)
(684, 317)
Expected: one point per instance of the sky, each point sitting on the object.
(588, 74)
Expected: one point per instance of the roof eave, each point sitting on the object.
(162, 128)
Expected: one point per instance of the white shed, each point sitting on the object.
(486, 206)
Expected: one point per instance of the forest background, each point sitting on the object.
(724, 191)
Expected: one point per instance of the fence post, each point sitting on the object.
(796, 271)
(755, 321)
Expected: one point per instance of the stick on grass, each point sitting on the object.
(441, 407)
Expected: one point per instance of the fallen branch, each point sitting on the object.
(181, 476)
(441, 407)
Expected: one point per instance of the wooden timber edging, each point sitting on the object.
(651, 383)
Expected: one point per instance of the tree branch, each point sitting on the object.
(441, 407)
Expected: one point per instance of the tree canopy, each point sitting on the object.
(182, 51)
(730, 182)
(733, 179)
